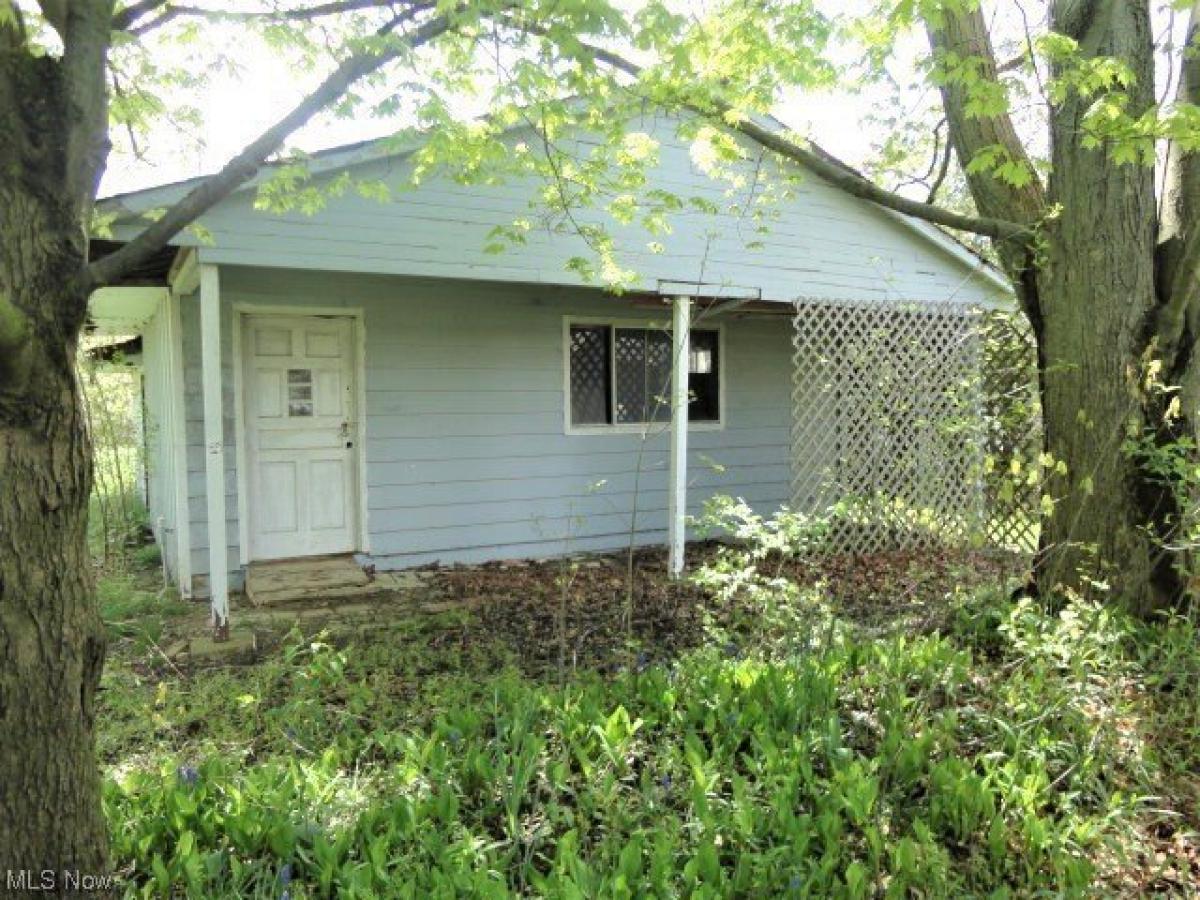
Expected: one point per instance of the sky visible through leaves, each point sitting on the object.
(244, 86)
(238, 102)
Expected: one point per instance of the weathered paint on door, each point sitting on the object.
(300, 432)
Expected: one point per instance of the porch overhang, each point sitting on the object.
(126, 307)
(123, 310)
(154, 272)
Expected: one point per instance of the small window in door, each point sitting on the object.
(300, 392)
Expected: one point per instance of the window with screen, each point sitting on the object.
(621, 375)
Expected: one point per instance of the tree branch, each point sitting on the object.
(1179, 230)
(850, 181)
(134, 11)
(813, 158)
(964, 32)
(127, 19)
(961, 30)
(943, 171)
(1012, 64)
(1182, 291)
(935, 159)
(86, 33)
(55, 12)
(243, 167)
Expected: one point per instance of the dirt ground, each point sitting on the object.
(523, 605)
(522, 601)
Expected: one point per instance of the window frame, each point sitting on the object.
(626, 428)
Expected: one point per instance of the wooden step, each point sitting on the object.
(270, 582)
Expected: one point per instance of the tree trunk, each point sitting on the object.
(51, 636)
(1096, 297)
(1102, 533)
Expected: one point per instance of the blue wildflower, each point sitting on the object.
(285, 875)
(188, 775)
(665, 781)
(643, 661)
(796, 883)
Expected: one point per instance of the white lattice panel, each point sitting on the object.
(887, 429)
(1014, 432)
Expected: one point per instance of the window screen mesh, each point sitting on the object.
(589, 375)
(641, 361)
(643, 364)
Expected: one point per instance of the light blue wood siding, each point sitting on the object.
(467, 455)
(161, 474)
(467, 458)
(820, 242)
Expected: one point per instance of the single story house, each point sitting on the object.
(373, 379)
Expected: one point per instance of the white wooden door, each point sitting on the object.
(300, 435)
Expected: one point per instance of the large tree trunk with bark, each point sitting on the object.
(1095, 291)
(1096, 295)
(1093, 286)
(51, 636)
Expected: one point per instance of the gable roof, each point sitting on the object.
(129, 206)
(926, 229)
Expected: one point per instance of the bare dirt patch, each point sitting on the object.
(575, 610)
(597, 611)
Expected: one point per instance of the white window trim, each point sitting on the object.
(638, 427)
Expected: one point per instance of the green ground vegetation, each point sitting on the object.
(1001, 748)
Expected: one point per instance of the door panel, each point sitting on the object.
(321, 344)
(279, 486)
(268, 389)
(328, 492)
(300, 428)
(270, 341)
(327, 394)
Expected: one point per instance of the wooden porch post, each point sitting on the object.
(177, 445)
(677, 491)
(214, 448)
